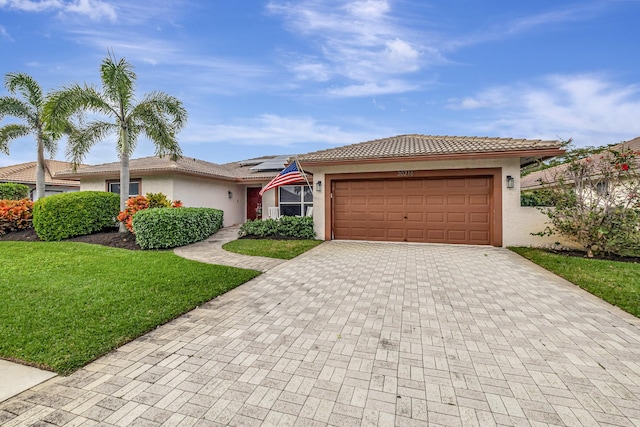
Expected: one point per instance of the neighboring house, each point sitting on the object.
(25, 173)
(415, 188)
(536, 179)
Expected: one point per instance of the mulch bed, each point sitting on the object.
(112, 239)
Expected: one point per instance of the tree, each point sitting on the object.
(597, 201)
(30, 110)
(158, 116)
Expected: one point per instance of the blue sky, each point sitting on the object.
(284, 77)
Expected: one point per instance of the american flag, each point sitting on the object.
(289, 175)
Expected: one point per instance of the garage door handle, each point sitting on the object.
(405, 217)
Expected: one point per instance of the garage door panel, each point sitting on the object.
(395, 216)
(479, 199)
(439, 210)
(376, 200)
(415, 200)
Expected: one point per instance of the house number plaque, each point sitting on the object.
(405, 173)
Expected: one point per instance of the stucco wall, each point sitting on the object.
(512, 226)
(192, 191)
(209, 193)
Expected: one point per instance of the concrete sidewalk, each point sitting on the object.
(16, 378)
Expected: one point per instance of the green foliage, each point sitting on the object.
(170, 228)
(158, 200)
(534, 198)
(618, 283)
(596, 203)
(13, 191)
(282, 249)
(65, 304)
(572, 154)
(74, 214)
(286, 227)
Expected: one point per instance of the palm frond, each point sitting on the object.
(10, 106)
(10, 132)
(70, 100)
(168, 106)
(82, 139)
(118, 80)
(25, 85)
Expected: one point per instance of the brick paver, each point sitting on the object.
(368, 334)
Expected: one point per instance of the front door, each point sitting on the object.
(254, 203)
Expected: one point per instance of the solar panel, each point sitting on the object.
(277, 163)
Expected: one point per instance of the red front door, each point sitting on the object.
(254, 202)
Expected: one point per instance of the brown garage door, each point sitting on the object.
(435, 210)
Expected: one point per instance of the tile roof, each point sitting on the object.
(534, 179)
(426, 145)
(25, 173)
(187, 165)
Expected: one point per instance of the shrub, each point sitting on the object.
(15, 215)
(169, 228)
(74, 214)
(535, 198)
(138, 203)
(596, 203)
(286, 227)
(12, 191)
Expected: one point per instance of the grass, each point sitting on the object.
(283, 249)
(615, 282)
(65, 304)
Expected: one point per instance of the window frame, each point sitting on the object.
(138, 181)
(302, 204)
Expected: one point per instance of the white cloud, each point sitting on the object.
(277, 131)
(358, 41)
(94, 9)
(588, 108)
(4, 34)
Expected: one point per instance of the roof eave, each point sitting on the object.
(537, 153)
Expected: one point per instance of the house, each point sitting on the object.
(414, 188)
(25, 173)
(535, 180)
(231, 187)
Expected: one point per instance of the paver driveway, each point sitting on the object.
(373, 334)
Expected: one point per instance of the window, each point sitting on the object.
(602, 188)
(134, 187)
(294, 201)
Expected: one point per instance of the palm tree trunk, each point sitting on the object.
(40, 184)
(124, 175)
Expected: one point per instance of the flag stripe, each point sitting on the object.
(289, 175)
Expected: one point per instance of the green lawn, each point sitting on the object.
(283, 249)
(615, 282)
(64, 304)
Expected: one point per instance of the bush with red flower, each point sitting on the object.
(138, 203)
(15, 215)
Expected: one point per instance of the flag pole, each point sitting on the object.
(303, 173)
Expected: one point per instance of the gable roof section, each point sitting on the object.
(236, 171)
(534, 179)
(25, 173)
(420, 147)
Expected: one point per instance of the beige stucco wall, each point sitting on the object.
(209, 193)
(514, 229)
(192, 191)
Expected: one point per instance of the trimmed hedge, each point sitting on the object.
(160, 228)
(75, 214)
(286, 227)
(13, 191)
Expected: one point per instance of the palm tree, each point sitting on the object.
(30, 110)
(158, 116)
